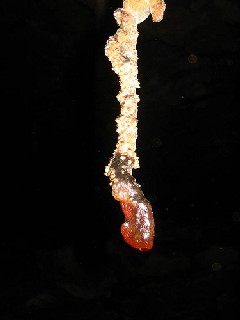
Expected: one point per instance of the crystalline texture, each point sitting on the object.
(121, 50)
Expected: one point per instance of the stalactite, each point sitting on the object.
(121, 49)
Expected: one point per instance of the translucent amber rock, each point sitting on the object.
(138, 229)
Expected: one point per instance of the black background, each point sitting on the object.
(61, 249)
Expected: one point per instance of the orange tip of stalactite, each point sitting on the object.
(138, 229)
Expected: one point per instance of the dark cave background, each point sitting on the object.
(62, 255)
